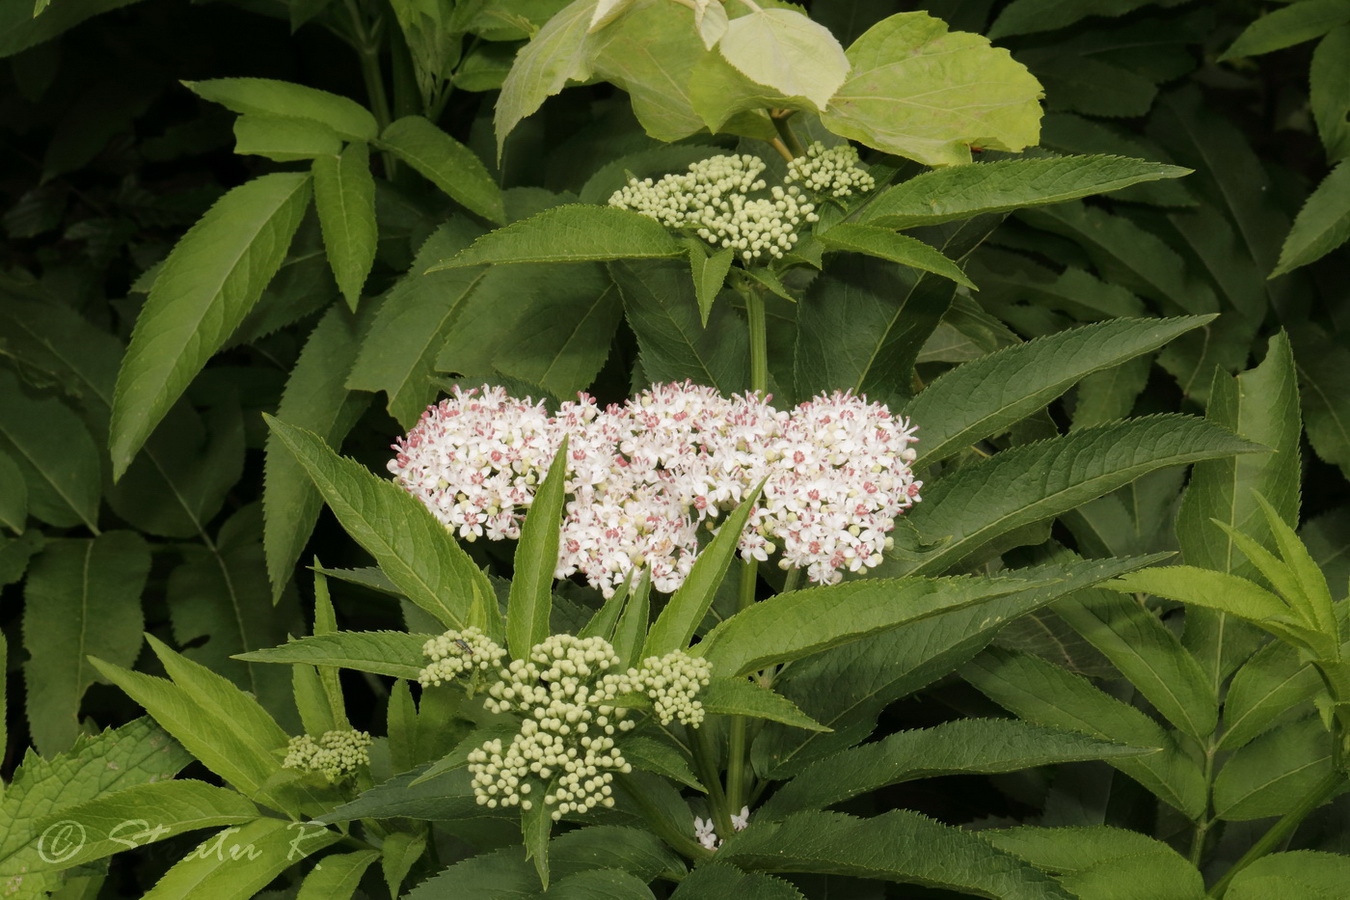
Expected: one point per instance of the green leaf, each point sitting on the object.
(925, 94)
(399, 852)
(1274, 773)
(799, 623)
(237, 862)
(315, 399)
(446, 163)
(742, 697)
(536, 561)
(1294, 24)
(13, 495)
(783, 49)
(1295, 873)
(661, 307)
(209, 282)
(264, 96)
(1032, 16)
(575, 232)
(1148, 654)
(20, 29)
(710, 273)
(886, 244)
(630, 632)
(418, 553)
(1322, 225)
(559, 53)
(445, 797)
(82, 598)
(344, 197)
(599, 884)
(1073, 850)
(1330, 106)
(283, 138)
(602, 623)
(63, 488)
(535, 825)
(659, 758)
(1045, 694)
(953, 748)
(675, 626)
(1326, 407)
(944, 195)
(1159, 876)
(985, 397)
(1031, 483)
(338, 876)
(395, 653)
(714, 879)
(139, 815)
(412, 322)
(898, 845)
(1271, 684)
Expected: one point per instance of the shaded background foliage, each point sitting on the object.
(106, 159)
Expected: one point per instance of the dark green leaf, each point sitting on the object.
(344, 197)
(446, 163)
(1272, 775)
(886, 244)
(1322, 225)
(63, 488)
(743, 697)
(1294, 24)
(536, 561)
(1270, 686)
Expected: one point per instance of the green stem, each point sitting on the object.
(365, 41)
(705, 755)
(1321, 792)
(794, 146)
(678, 840)
(1207, 821)
(738, 747)
(759, 339)
(793, 580)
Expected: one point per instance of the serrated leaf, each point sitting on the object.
(1275, 772)
(13, 495)
(1045, 694)
(339, 875)
(210, 281)
(223, 867)
(444, 797)
(659, 758)
(344, 197)
(886, 244)
(283, 138)
(710, 272)
(536, 561)
(446, 163)
(1159, 876)
(535, 825)
(961, 747)
(898, 845)
(785, 50)
(395, 653)
(1330, 105)
(1293, 24)
(559, 53)
(63, 488)
(985, 397)
(1322, 225)
(1326, 408)
(794, 624)
(574, 232)
(267, 97)
(82, 598)
(1032, 16)
(315, 399)
(630, 631)
(1295, 873)
(742, 697)
(1071, 850)
(1271, 684)
(714, 879)
(1091, 85)
(925, 94)
(418, 554)
(945, 195)
(20, 29)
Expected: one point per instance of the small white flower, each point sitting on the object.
(742, 821)
(704, 833)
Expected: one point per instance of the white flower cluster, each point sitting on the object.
(334, 755)
(707, 835)
(643, 476)
(569, 700)
(713, 201)
(456, 652)
(835, 172)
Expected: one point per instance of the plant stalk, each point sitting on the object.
(759, 339)
(738, 750)
(705, 756)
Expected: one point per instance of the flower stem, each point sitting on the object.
(705, 762)
(738, 748)
(780, 123)
(759, 339)
(659, 823)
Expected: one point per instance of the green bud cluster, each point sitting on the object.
(456, 652)
(835, 172)
(334, 755)
(713, 201)
(572, 700)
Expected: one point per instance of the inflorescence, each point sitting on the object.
(835, 172)
(335, 755)
(644, 476)
(573, 700)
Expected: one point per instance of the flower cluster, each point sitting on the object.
(835, 172)
(644, 476)
(569, 694)
(712, 199)
(707, 835)
(456, 652)
(334, 755)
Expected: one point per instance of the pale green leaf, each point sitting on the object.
(1274, 773)
(783, 49)
(1270, 685)
(418, 554)
(918, 91)
(1322, 225)
(211, 279)
(237, 862)
(886, 244)
(1158, 876)
(960, 192)
(675, 626)
(742, 697)
(82, 598)
(446, 163)
(559, 53)
(536, 561)
(283, 138)
(316, 399)
(265, 96)
(1290, 25)
(1071, 850)
(63, 488)
(344, 197)
(728, 102)
(985, 397)
(395, 653)
(1296, 873)
(961, 747)
(898, 845)
(572, 233)
(339, 875)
